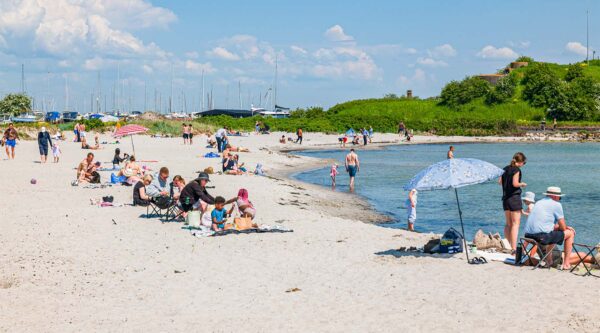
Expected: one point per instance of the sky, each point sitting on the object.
(98, 55)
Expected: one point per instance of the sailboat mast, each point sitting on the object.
(202, 96)
(275, 88)
(240, 93)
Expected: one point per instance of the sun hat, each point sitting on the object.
(529, 196)
(203, 175)
(554, 190)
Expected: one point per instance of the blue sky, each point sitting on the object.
(328, 51)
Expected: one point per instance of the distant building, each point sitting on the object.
(491, 78)
(409, 94)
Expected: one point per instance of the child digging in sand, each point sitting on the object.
(219, 214)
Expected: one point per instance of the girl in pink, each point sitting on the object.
(333, 173)
(244, 205)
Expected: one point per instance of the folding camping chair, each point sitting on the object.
(590, 251)
(531, 247)
(159, 206)
(173, 212)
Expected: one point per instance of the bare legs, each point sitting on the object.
(8, 153)
(511, 228)
(351, 184)
(569, 238)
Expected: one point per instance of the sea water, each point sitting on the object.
(575, 167)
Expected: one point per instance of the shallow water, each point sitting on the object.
(572, 166)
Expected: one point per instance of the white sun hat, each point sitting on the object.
(554, 190)
(529, 196)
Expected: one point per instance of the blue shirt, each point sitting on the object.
(544, 215)
(219, 215)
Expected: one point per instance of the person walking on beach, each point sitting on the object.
(333, 173)
(352, 167)
(450, 154)
(77, 133)
(411, 207)
(221, 132)
(554, 124)
(299, 135)
(511, 197)
(190, 134)
(365, 135)
(44, 142)
(10, 140)
(370, 134)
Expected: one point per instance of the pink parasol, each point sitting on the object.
(130, 130)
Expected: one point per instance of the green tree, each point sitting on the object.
(542, 87)
(390, 96)
(574, 71)
(14, 104)
(525, 59)
(503, 91)
(457, 93)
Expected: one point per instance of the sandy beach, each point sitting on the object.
(69, 266)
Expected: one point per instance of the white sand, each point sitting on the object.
(65, 266)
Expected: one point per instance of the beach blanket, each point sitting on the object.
(261, 230)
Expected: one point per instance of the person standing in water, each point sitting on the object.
(352, 167)
(450, 154)
(511, 197)
(411, 207)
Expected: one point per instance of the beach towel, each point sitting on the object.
(212, 155)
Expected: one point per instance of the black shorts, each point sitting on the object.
(186, 136)
(512, 203)
(43, 150)
(547, 238)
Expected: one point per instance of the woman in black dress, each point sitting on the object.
(511, 197)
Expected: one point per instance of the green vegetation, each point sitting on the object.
(14, 104)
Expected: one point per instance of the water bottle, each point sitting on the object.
(518, 255)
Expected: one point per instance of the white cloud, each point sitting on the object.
(491, 52)
(345, 62)
(64, 27)
(298, 49)
(198, 68)
(223, 53)
(577, 48)
(430, 62)
(418, 77)
(337, 34)
(520, 44)
(445, 50)
(64, 63)
(147, 69)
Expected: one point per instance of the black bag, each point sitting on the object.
(95, 178)
(162, 202)
(451, 242)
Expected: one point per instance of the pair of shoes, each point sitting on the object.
(478, 261)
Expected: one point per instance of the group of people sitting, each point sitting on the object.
(192, 196)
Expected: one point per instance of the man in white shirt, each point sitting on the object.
(546, 223)
(221, 133)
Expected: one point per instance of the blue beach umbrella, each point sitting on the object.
(454, 173)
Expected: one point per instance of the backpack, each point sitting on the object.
(451, 242)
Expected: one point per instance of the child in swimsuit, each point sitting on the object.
(333, 173)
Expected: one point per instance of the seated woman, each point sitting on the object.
(132, 171)
(84, 144)
(239, 166)
(244, 205)
(140, 198)
(229, 166)
(177, 187)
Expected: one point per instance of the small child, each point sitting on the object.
(529, 201)
(411, 207)
(333, 173)
(117, 159)
(56, 152)
(219, 214)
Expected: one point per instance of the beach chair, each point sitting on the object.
(590, 251)
(173, 212)
(159, 206)
(531, 247)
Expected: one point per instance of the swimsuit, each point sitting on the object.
(352, 170)
(11, 143)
